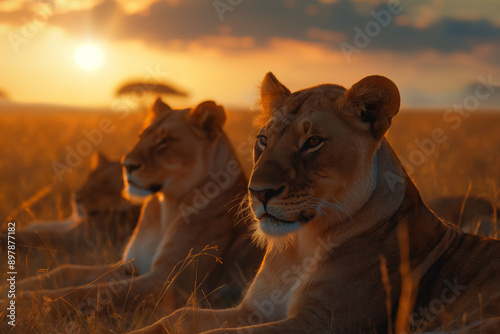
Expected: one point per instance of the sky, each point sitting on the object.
(78, 53)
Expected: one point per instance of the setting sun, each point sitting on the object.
(89, 57)
(230, 166)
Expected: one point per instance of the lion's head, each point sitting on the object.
(315, 153)
(173, 150)
(102, 188)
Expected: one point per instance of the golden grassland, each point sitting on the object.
(445, 156)
(31, 144)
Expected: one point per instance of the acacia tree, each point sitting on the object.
(3, 95)
(140, 94)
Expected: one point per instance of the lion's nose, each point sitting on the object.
(265, 195)
(130, 166)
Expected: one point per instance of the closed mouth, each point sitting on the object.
(153, 188)
(303, 218)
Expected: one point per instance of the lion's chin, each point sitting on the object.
(273, 226)
(137, 194)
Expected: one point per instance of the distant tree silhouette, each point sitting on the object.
(3, 95)
(140, 94)
(487, 97)
(142, 88)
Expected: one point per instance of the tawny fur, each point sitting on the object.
(102, 222)
(182, 246)
(353, 203)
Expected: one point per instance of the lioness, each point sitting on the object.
(101, 218)
(102, 222)
(185, 169)
(332, 202)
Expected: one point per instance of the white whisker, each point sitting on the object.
(336, 208)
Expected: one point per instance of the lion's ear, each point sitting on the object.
(375, 100)
(159, 107)
(272, 94)
(209, 118)
(98, 159)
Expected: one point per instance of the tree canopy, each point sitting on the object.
(3, 95)
(142, 88)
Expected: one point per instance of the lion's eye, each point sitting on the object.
(312, 143)
(262, 141)
(165, 141)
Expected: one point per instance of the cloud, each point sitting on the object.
(485, 93)
(446, 35)
(257, 22)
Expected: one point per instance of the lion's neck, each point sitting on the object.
(395, 202)
(387, 194)
(222, 155)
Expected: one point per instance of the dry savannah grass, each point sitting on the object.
(40, 166)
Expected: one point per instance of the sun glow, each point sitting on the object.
(89, 57)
